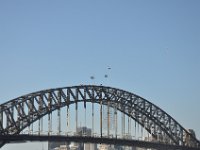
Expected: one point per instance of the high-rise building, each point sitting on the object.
(84, 131)
(80, 131)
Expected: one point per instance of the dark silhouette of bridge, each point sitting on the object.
(32, 117)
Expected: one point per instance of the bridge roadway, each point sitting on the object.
(91, 139)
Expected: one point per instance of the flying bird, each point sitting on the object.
(92, 77)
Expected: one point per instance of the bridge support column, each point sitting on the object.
(59, 122)
(123, 123)
(76, 105)
(115, 121)
(39, 127)
(101, 118)
(68, 123)
(129, 126)
(93, 119)
(49, 114)
(59, 113)
(108, 119)
(93, 112)
(76, 117)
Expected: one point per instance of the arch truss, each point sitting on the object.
(31, 107)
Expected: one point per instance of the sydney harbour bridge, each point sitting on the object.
(92, 114)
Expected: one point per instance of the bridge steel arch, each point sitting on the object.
(34, 106)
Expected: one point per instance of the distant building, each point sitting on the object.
(84, 131)
(106, 147)
(81, 131)
(57, 145)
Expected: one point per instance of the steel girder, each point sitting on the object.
(19, 113)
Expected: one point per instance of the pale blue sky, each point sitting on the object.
(153, 48)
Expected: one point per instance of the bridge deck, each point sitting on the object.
(91, 139)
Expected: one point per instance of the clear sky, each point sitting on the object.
(152, 47)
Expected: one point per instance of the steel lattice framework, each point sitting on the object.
(34, 106)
